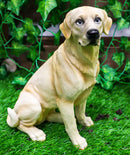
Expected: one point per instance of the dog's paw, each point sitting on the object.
(37, 134)
(87, 121)
(80, 143)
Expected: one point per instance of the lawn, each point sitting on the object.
(110, 111)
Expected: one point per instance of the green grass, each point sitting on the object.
(106, 137)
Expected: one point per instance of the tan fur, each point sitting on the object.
(64, 81)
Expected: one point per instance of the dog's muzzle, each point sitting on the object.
(93, 36)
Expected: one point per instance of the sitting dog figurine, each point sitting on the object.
(65, 80)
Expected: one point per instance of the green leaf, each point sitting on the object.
(123, 41)
(118, 58)
(3, 72)
(128, 3)
(19, 80)
(31, 39)
(18, 48)
(122, 24)
(102, 46)
(107, 69)
(1, 41)
(57, 38)
(110, 76)
(50, 54)
(111, 2)
(2, 53)
(98, 79)
(46, 23)
(125, 44)
(30, 28)
(32, 53)
(116, 9)
(45, 7)
(28, 25)
(127, 66)
(14, 6)
(18, 33)
(107, 85)
(37, 31)
(75, 3)
(2, 5)
(117, 78)
(8, 18)
(56, 16)
(109, 73)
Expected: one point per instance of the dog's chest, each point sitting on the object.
(71, 83)
(70, 79)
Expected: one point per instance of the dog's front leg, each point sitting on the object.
(67, 114)
(80, 114)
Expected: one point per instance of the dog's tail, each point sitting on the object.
(12, 118)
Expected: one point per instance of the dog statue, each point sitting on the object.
(65, 80)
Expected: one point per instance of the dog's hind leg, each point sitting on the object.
(30, 113)
(34, 133)
(54, 117)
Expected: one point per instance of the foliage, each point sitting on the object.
(19, 28)
(45, 7)
(3, 72)
(109, 76)
(53, 12)
(119, 12)
(19, 80)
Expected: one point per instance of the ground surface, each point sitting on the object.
(109, 135)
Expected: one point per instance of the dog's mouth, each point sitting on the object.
(89, 43)
(93, 43)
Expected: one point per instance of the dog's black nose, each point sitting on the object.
(93, 34)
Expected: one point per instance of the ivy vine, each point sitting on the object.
(20, 27)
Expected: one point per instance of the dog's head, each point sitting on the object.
(85, 25)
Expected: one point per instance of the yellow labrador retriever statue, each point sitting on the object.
(65, 80)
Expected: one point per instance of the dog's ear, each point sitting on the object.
(107, 23)
(65, 29)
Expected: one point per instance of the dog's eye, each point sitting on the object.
(97, 20)
(79, 22)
